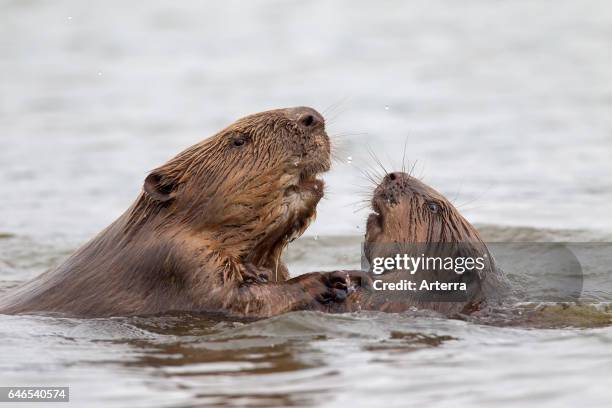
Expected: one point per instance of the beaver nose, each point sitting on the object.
(397, 181)
(396, 176)
(306, 117)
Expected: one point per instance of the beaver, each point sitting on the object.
(411, 218)
(206, 233)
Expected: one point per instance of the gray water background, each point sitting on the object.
(504, 106)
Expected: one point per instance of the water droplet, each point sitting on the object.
(69, 17)
(349, 159)
(386, 107)
(316, 237)
(99, 73)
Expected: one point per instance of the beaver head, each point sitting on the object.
(408, 210)
(410, 216)
(245, 192)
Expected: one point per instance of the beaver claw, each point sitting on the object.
(337, 286)
(253, 274)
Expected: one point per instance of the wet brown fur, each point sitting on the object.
(222, 207)
(403, 218)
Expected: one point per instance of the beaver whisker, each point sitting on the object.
(376, 207)
(337, 155)
(365, 199)
(478, 197)
(332, 119)
(359, 209)
(335, 105)
(404, 155)
(411, 171)
(376, 159)
(372, 178)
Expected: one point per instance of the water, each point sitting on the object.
(504, 106)
(560, 355)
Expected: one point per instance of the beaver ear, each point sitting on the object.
(159, 187)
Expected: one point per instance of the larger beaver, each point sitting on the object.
(206, 231)
(426, 240)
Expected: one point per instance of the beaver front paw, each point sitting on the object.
(341, 284)
(335, 288)
(328, 288)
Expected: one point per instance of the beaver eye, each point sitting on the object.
(239, 140)
(433, 207)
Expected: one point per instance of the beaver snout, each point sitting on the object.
(306, 117)
(396, 177)
(393, 187)
(310, 144)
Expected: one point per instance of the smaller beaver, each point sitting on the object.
(410, 218)
(207, 232)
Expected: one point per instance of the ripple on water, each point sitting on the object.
(307, 358)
